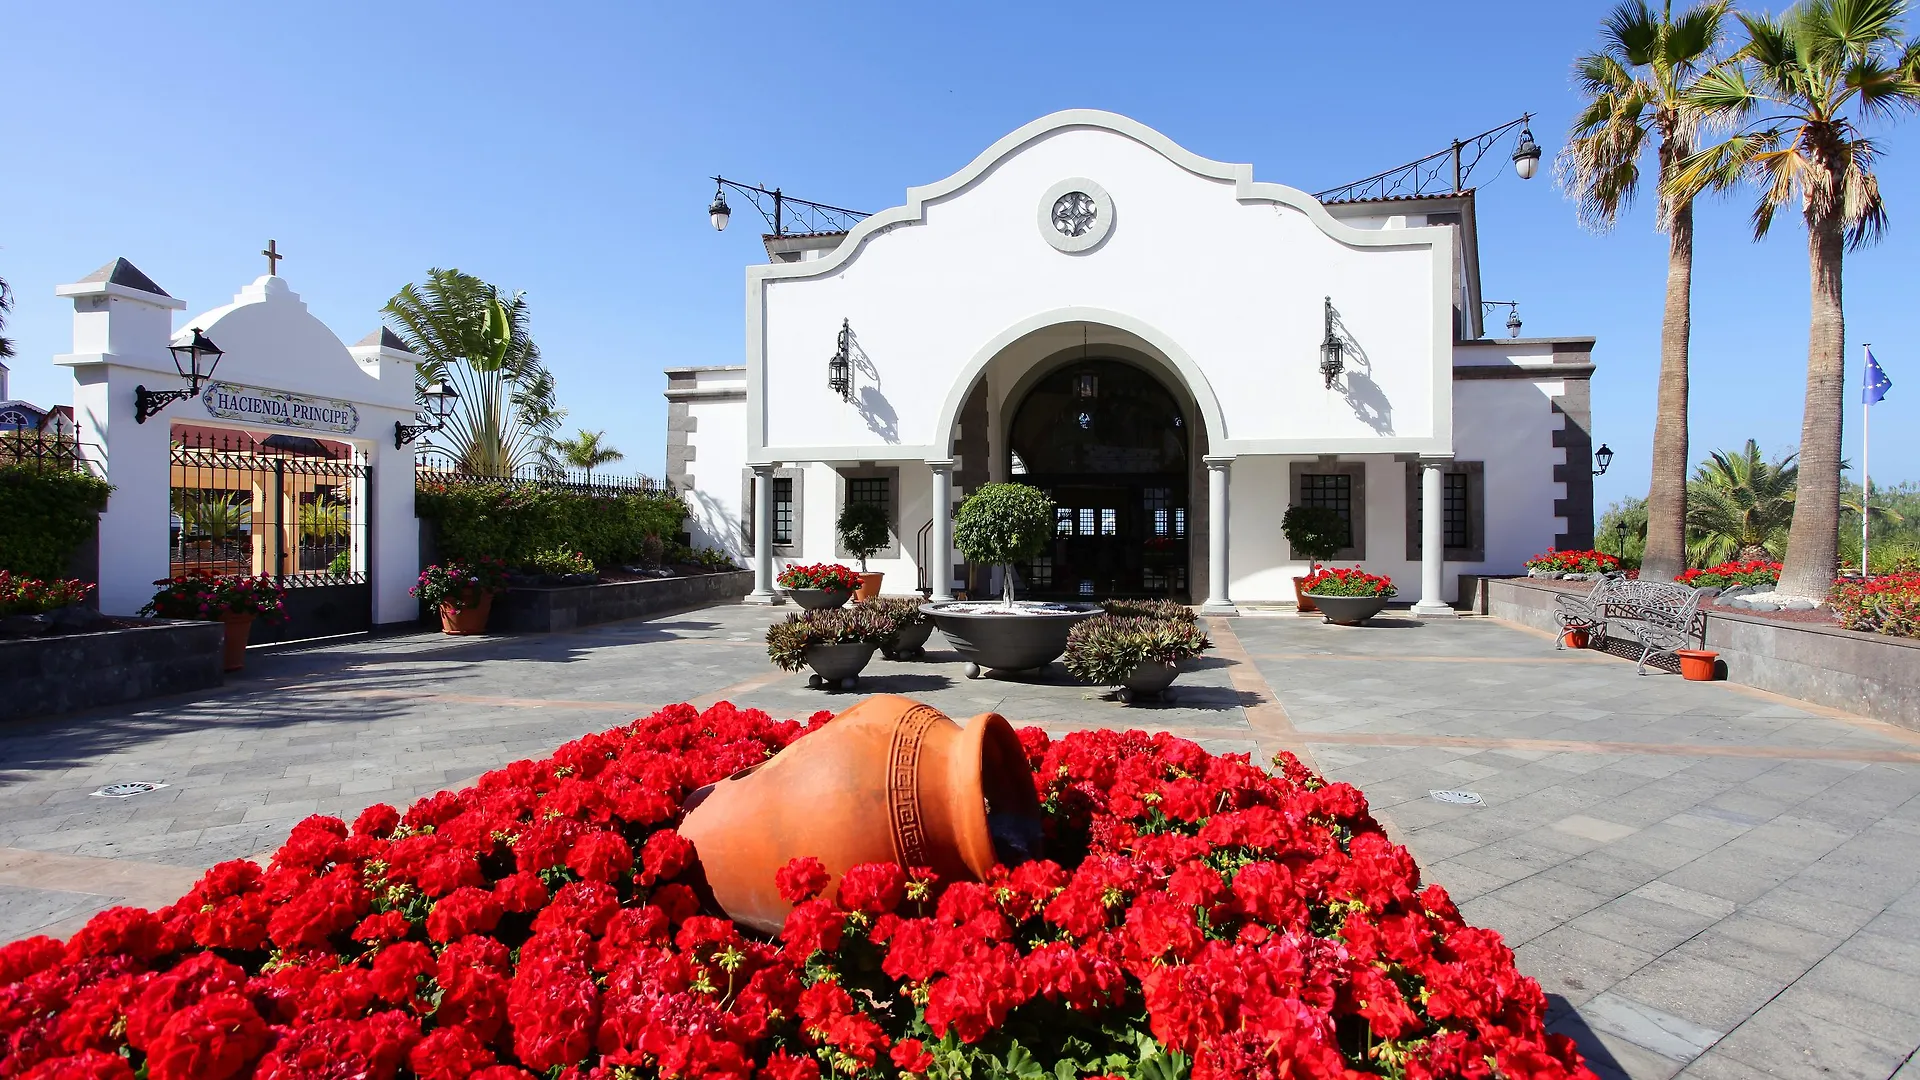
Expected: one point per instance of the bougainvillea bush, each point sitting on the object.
(1572, 562)
(1888, 604)
(1197, 916)
(1728, 574)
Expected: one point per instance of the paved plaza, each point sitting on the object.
(1708, 881)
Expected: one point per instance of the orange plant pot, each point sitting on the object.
(888, 780)
(234, 656)
(1574, 638)
(473, 620)
(1699, 665)
(869, 586)
(1301, 598)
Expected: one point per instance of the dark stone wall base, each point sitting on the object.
(545, 611)
(58, 674)
(1869, 675)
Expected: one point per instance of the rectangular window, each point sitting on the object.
(1109, 521)
(869, 489)
(1062, 521)
(1457, 522)
(1331, 491)
(783, 509)
(1086, 521)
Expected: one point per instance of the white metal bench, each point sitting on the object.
(1659, 615)
(1586, 612)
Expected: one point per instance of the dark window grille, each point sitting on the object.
(1062, 521)
(1086, 521)
(1457, 521)
(783, 509)
(869, 489)
(433, 466)
(287, 506)
(1040, 572)
(1331, 491)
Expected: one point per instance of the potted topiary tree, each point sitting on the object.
(1315, 533)
(863, 530)
(1003, 524)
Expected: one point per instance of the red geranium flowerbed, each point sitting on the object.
(1199, 917)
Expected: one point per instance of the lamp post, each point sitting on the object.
(440, 398)
(812, 216)
(1604, 457)
(1455, 164)
(187, 359)
(1623, 539)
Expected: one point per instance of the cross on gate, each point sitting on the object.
(272, 252)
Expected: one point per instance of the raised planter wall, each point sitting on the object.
(1867, 674)
(62, 673)
(565, 607)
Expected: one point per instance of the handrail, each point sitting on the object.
(925, 580)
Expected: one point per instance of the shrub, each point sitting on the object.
(513, 521)
(31, 596)
(460, 584)
(1727, 574)
(787, 641)
(903, 610)
(1150, 609)
(819, 576)
(49, 514)
(200, 595)
(1889, 604)
(543, 922)
(711, 559)
(1574, 562)
(1106, 648)
(863, 530)
(559, 561)
(1003, 524)
(342, 564)
(1315, 532)
(1334, 581)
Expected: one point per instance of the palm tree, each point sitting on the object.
(1811, 77)
(467, 335)
(588, 451)
(1739, 506)
(1634, 86)
(6, 305)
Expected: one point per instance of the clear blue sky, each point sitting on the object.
(564, 150)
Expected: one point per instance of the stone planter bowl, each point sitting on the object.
(1026, 642)
(1350, 610)
(816, 599)
(1150, 678)
(909, 642)
(834, 666)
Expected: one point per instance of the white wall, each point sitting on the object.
(1235, 286)
(715, 512)
(1509, 424)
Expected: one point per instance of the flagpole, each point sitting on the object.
(1866, 483)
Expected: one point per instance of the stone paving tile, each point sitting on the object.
(1680, 862)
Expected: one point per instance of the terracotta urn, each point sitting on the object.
(469, 620)
(234, 656)
(1303, 604)
(869, 586)
(888, 780)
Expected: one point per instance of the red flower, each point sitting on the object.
(211, 1040)
(665, 855)
(461, 912)
(909, 1056)
(448, 1053)
(801, 879)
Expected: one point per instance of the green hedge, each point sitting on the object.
(49, 514)
(517, 521)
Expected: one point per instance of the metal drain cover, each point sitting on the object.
(128, 790)
(1457, 798)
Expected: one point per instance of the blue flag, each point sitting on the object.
(1874, 383)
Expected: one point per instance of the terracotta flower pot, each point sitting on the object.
(238, 627)
(1699, 665)
(1305, 603)
(869, 586)
(1575, 637)
(888, 780)
(471, 620)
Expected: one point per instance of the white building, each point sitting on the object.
(1092, 309)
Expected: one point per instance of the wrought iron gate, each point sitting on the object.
(291, 508)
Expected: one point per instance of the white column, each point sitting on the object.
(940, 566)
(1219, 470)
(763, 537)
(1432, 541)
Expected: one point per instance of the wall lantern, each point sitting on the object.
(1330, 349)
(718, 211)
(1526, 155)
(840, 368)
(188, 359)
(440, 398)
(1086, 386)
(1604, 458)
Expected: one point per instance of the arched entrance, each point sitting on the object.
(1111, 445)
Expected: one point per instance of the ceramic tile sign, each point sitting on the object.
(278, 408)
